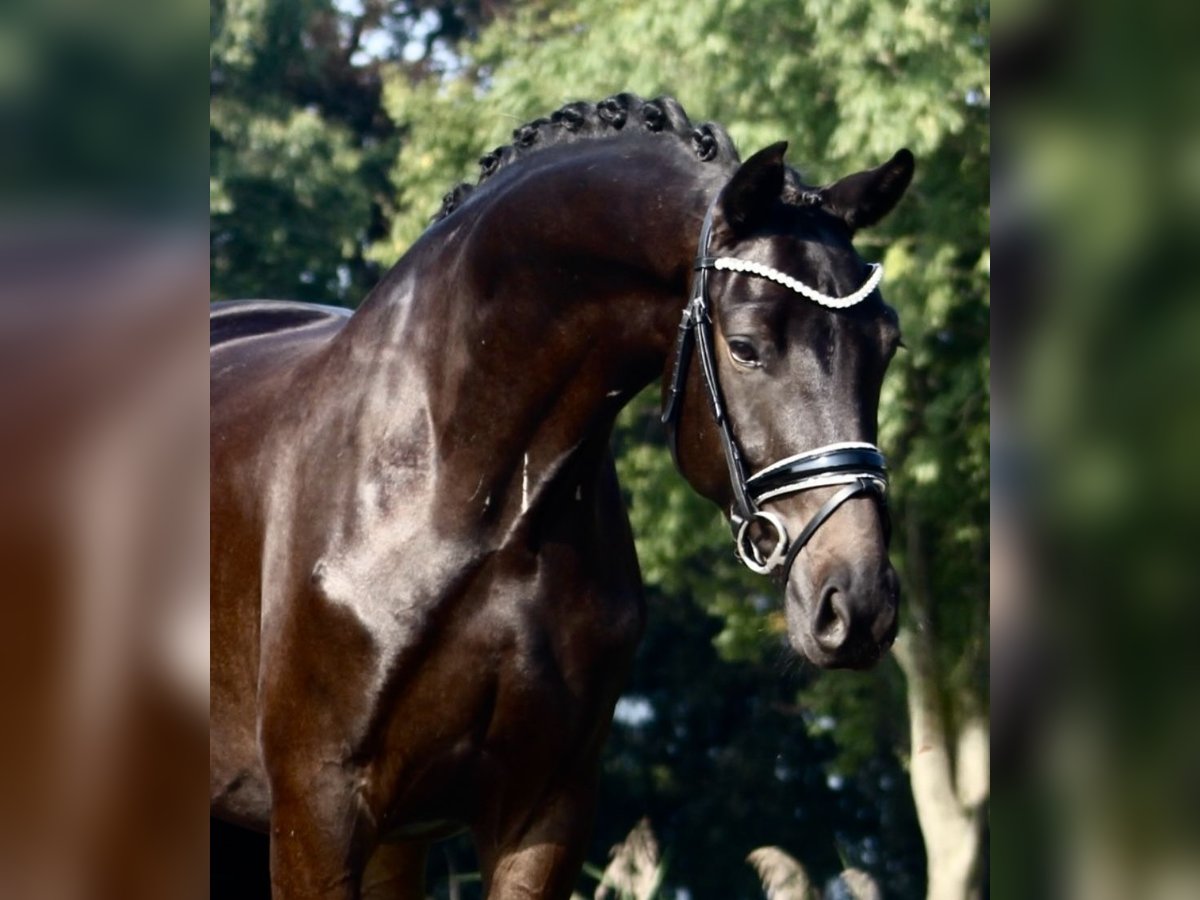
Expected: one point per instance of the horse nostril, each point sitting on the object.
(854, 619)
(832, 625)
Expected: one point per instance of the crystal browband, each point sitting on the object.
(731, 264)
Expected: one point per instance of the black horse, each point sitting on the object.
(425, 596)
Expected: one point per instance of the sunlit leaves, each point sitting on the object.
(287, 201)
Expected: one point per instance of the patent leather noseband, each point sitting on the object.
(858, 468)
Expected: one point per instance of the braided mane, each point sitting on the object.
(581, 120)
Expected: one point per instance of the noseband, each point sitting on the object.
(858, 467)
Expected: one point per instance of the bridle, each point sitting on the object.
(860, 468)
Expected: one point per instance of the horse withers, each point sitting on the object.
(425, 596)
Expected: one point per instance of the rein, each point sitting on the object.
(859, 467)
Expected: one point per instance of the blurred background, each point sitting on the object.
(334, 129)
(1095, 187)
(103, 447)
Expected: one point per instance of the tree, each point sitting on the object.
(300, 146)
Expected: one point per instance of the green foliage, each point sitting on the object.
(287, 204)
(935, 411)
(845, 82)
(300, 146)
(289, 186)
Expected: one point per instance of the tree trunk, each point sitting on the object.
(949, 773)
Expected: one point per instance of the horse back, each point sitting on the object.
(231, 320)
(257, 350)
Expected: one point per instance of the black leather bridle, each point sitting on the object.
(859, 468)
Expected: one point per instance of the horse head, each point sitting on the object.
(774, 401)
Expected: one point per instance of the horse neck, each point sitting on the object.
(531, 319)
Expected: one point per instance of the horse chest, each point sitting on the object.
(515, 679)
(542, 620)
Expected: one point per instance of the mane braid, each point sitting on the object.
(582, 120)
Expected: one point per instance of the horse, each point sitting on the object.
(425, 594)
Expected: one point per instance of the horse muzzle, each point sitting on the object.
(847, 622)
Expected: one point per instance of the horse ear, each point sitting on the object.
(754, 187)
(862, 199)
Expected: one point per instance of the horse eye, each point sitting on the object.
(743, 352)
